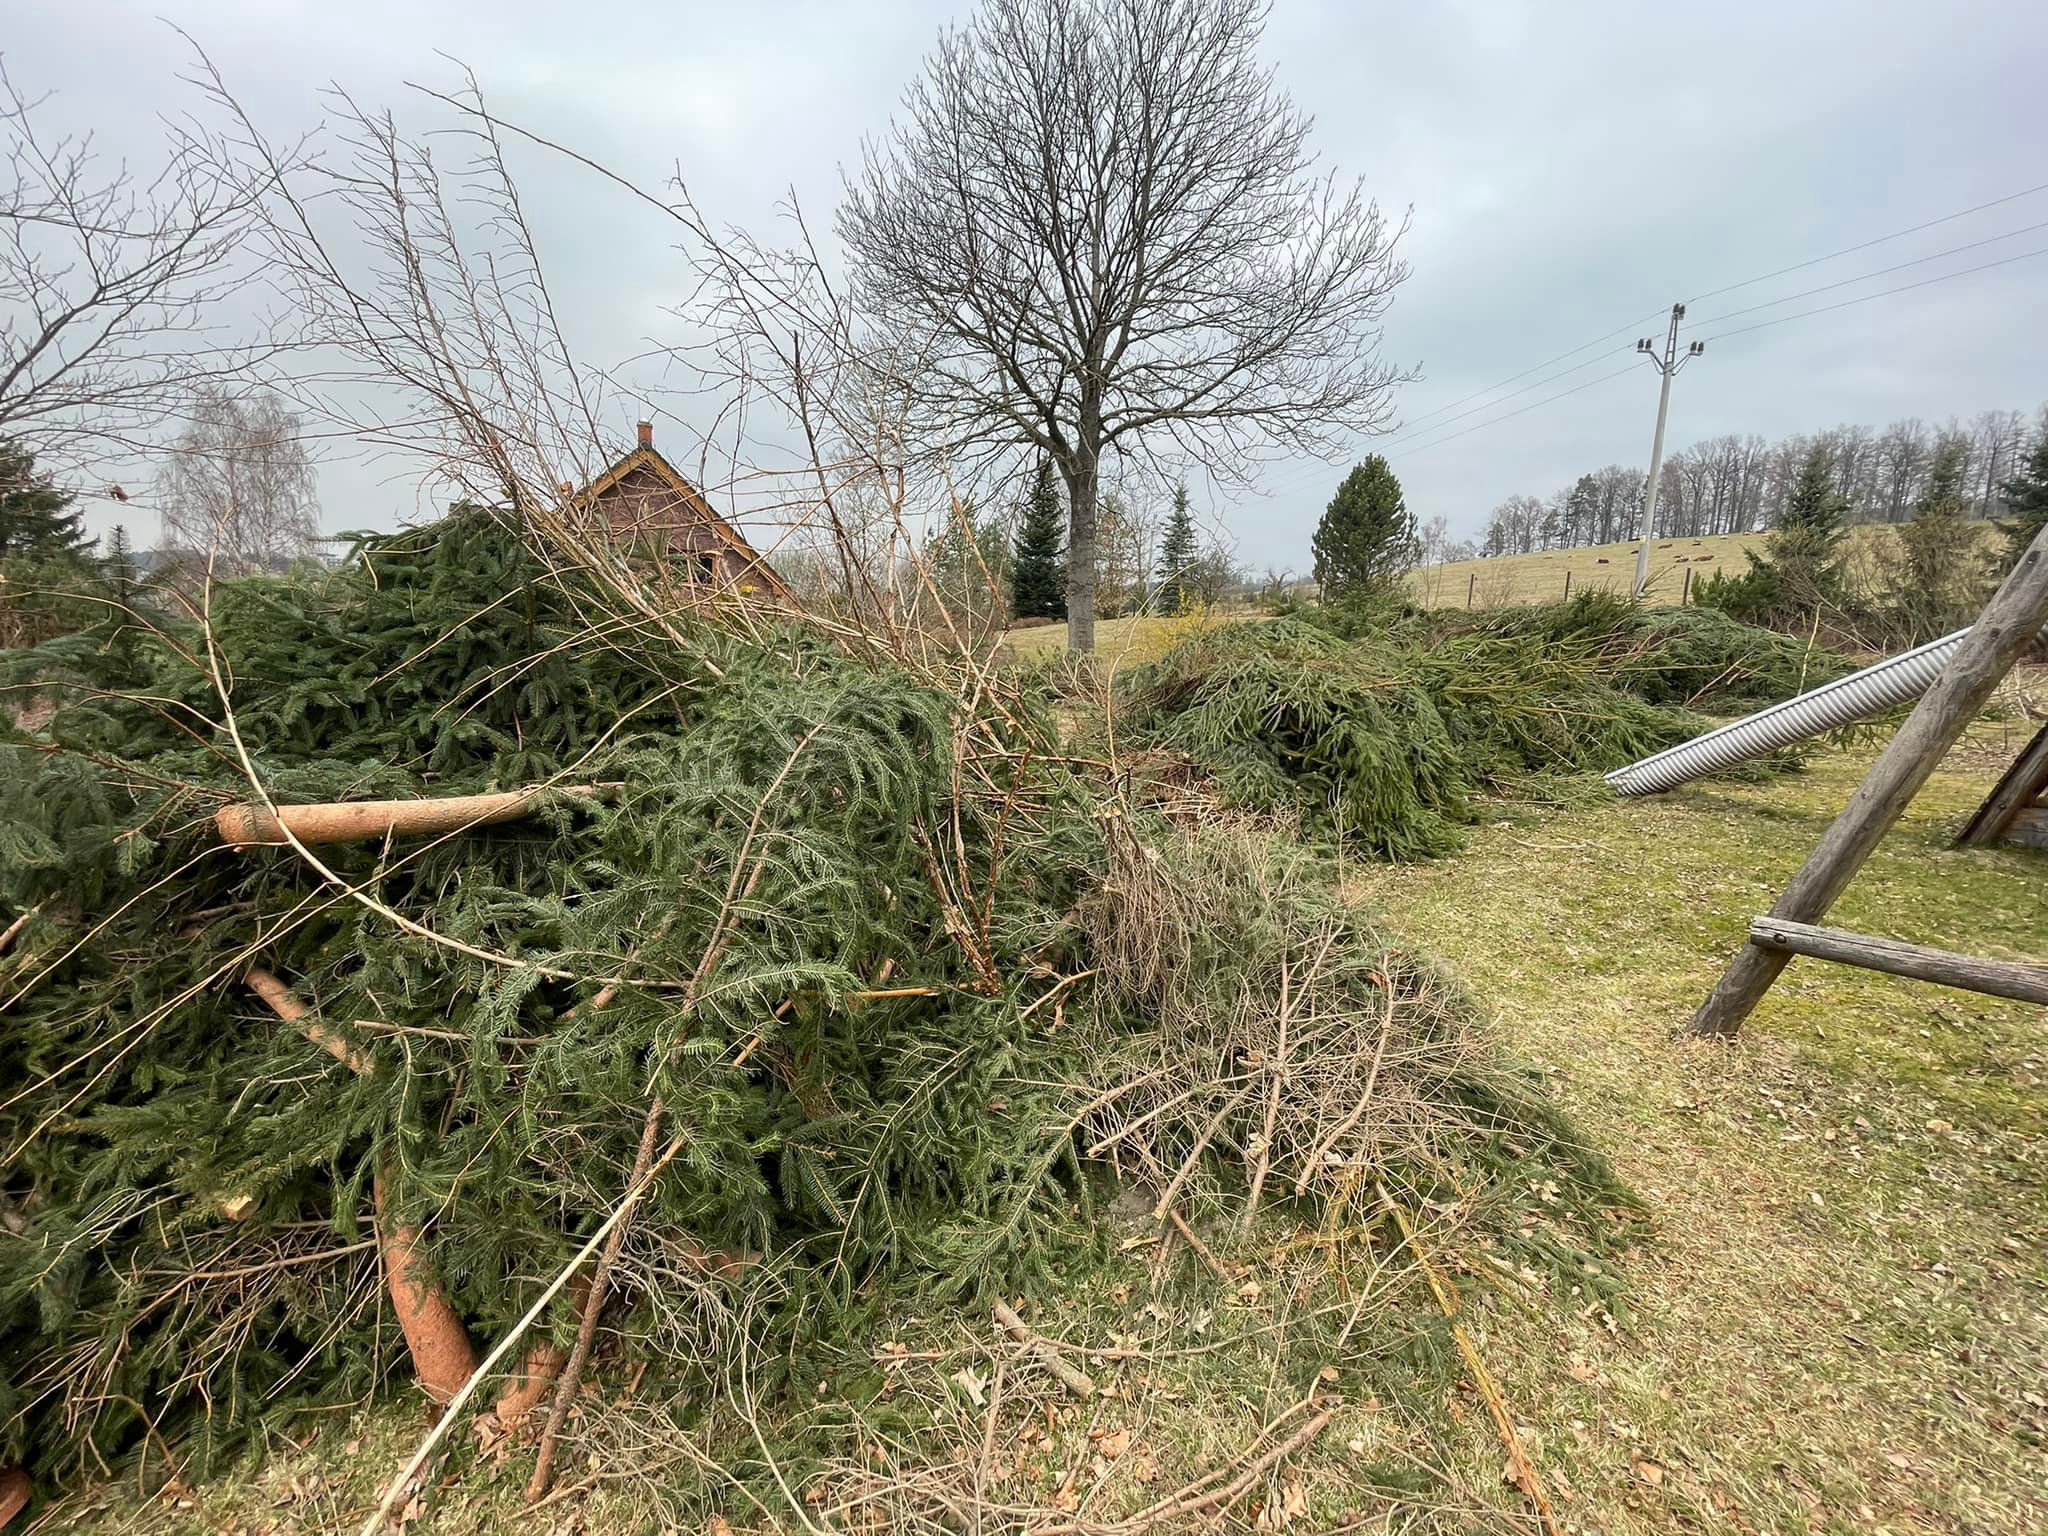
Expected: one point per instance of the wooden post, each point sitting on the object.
(1567, 586)
(1471, 585)
(2001, 634)
(1685, 591)
(2023, 783)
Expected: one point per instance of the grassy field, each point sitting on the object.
(1838, 1319)
(1117, 641)
(1540, 577)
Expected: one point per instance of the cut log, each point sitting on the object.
(15, 1492)
(251, 825)
(536, 1378)
(442, 1357)
(441, 1354)
(1999, 978)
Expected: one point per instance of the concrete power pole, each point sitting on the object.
(1668, 365)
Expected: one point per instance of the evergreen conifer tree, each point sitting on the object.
(1941, 576)
(33, 519)
(1038, 574)
(2026, 498)
(1366, 539)
(118, 566)
(1178, 552)
(1798, 573)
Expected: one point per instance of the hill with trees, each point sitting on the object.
(1733, 484)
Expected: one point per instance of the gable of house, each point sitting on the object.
(650, 509)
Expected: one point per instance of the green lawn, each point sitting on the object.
(1841, 1323)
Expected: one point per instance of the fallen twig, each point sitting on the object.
(1192, 1499)
(1072, 1377)
(1201, 1248)
(1182, 1504)
(15, 927)
(1526, 1476)
(586, 1330)
(288, 1007)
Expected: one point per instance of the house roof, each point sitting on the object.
(647, 456)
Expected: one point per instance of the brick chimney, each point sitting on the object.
(646, 434)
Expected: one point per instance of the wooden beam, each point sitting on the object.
(2029, 827)
(2022, 979)
(2021, 787)
(2002, 632)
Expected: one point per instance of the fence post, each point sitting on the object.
(1471, 582)
(1685, 591)
(1567, 586)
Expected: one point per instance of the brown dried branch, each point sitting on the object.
(593, 1305)
(1072, 1377)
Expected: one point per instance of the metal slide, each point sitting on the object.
(1859, 696)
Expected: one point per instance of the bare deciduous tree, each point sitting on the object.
(239, 483)
(1103, 224)
(105, 280)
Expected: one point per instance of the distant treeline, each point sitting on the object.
(1741, 484)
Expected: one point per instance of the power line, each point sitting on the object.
(1409, 428)
(1551, 378)
(1416, 427)
(1822, 309)
(1532, 405)
(1309, 472)
(1847, 250)
(1917, 261)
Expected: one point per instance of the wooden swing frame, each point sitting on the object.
(2013, 810)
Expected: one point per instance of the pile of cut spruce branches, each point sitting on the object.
(409, 956)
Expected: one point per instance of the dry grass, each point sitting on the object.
(1540, 578)
(1121, 641)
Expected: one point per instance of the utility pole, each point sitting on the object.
(1668, 365)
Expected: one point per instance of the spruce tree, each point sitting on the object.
(1941, 576)
(1366, 540)
(2026, 498)
(1816, 507)
(33, 519)
(1798, 572)
(118, 567)
(1038, 573)
(1178, 552)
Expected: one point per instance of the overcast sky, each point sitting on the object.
(1571, 168)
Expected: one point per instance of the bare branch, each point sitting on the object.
(1102, 223)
